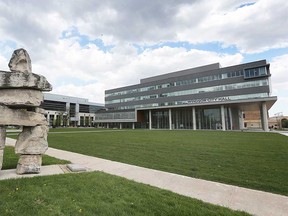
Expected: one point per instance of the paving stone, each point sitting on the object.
(76, 168)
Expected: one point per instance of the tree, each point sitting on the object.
(284, 123)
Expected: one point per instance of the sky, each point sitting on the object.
(84, 47)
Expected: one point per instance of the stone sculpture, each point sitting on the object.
(20, 98)
(20, 61)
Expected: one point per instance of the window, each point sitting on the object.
(255, 72)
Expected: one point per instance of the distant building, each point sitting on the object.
(275, 122)
(206, 97)
(63, 110)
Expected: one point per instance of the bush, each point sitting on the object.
(284, 123)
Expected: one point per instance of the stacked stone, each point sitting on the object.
(20, 98)
(2, 144)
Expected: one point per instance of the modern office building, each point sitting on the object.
(63, 110)
(206, 97)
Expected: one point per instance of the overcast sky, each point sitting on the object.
(84, 47)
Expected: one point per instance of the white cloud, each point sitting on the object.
(254, 28)
(3, 63)
(88, 71)
(73, 70)
(279, 72)
(279, 79)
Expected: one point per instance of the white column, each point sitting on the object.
(264, 117)
(194, 118)
(54, 119)
(170, 119)
(89, 121)
(150, 120)
(230, 117)
(120, 125)
(241, 122)
(68, 114)
(223, 118)
(133, 125)
(48, 118)
(107, 125)
(77, 115)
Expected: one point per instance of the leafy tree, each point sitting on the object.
(284, 123)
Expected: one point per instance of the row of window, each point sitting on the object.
(180, 83)
(233, 86)
(247, 73)
(126, 115)
(61, 106)
(255, 72)
(196, 101)
(53, 105)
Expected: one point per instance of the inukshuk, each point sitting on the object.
(20, 98)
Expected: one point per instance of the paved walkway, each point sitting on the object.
(237, 198)
(285, 133)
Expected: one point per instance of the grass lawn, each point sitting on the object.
(10, 159)
(96, 193)
(253, 160)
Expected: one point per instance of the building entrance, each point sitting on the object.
(209, 119)
(160, 119)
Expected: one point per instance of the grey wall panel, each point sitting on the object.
(189, 73)
(254, 90)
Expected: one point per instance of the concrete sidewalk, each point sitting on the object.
(285, 133)
(237, 198)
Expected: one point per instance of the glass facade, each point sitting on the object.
(195, 101)
(249, 84)
(209, 119)
(238, 73)
(116, 115)
(160, 119)
(255, 72)
(182, 118)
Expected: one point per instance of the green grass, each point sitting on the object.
(253, 160)
(96, 194)
(10, 159)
